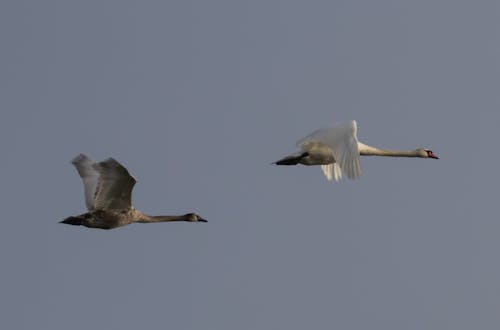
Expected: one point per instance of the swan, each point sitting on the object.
(337, 150)
(108, 197)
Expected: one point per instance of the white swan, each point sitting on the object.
(108, 197)
(337, 150)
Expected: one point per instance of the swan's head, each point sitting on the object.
(426, 153)
(193, 217)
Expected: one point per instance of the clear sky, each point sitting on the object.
(197, 98)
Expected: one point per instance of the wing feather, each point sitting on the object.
(89, 177)
(332, 171)
(114, 187)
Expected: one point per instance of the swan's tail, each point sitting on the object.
(75, 221)
(291, 160)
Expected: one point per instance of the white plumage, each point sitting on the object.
(337, 150)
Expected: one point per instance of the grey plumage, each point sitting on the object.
(108, 196)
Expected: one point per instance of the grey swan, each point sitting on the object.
(108, 197)
(337, 150)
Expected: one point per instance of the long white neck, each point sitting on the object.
(366, 150)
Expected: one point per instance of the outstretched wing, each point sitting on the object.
(89, 177)
(114, 187)
(343, 142)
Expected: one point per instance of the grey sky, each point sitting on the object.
(197, 98)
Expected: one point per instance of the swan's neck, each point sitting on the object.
(162, 218)
(366, 150)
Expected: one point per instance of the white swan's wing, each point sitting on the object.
(332, 171)
(89, 177)
(342, 140)
(114, 187)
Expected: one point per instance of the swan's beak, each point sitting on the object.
(202, 220)
(431, 155)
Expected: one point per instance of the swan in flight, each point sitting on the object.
(337, 150)
(108, 197)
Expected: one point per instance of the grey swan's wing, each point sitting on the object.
(114, 186)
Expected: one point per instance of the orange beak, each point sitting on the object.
(431, 155)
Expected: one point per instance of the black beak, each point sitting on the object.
(202, 220)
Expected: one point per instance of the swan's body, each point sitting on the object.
(337, 150)
(108, 197)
